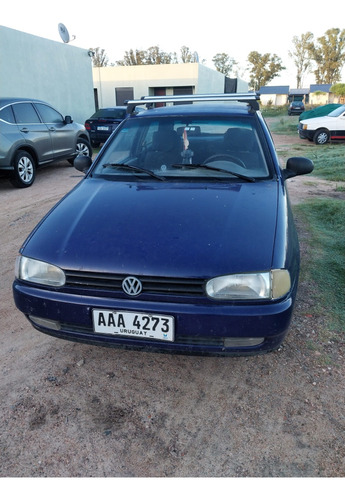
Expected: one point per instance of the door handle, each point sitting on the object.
(24, 129)
(52, 129)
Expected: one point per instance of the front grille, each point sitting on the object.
(153, 284)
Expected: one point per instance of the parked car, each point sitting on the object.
(180, 237)
(33, 134)
(324, 128)
(296, 108)
(102, 123)
(318, 111)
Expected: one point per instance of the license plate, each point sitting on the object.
(102, 128)
(133, 324)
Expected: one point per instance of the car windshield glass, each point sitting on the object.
(110, 113)
(337, 111)
(181, 147)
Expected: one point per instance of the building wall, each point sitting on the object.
(274, 99)
(58, 73)
(143, 79)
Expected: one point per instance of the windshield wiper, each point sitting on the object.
(136, 169)
(217, 169)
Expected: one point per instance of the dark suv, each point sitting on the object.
(33, 133)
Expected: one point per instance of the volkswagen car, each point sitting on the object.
(180, 237)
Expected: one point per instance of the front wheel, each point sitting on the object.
(83, 148)
(24, 170)
(321, 136)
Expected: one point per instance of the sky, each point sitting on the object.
(208, 28)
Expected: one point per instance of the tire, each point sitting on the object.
(321, 136)
(24, 169)
(83, 147)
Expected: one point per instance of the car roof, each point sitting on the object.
(5, 101)
(197, 104)
(205, 109)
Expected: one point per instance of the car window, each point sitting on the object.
(338, 111)
(48, 114)
(110, 113)
(24, 112)
(6, 114)
(163, 145)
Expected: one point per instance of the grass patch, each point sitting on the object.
(325, 220)
(284, 124)
(329, 160)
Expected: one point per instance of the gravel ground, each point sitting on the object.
(72, 410)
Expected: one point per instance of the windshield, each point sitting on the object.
(110, 113)
(171, 147)
(337, 111)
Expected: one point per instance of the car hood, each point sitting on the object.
(160, 228)
(318, 121)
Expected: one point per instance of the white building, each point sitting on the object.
(62, 75)
(114, 84)
(55, 72)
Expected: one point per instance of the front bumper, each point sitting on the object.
(306, 134)
(200, 328)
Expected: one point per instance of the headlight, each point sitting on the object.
(257, 286)
(305, 127)
(40, 272)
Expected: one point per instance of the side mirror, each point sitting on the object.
(82, 163)
(68, 120)
(297, 165)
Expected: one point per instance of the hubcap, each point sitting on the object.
(82, 149)
(322, 138)
(25, 169)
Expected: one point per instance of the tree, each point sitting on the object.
(99, 57)
(338, 89)
(263, 68)
(132, 58)
(301, 56)
(329, 56)
(223, 63)
(187, 56)
(153, 55)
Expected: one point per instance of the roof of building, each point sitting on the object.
(299, 91)
(325, 87)
(274, 89)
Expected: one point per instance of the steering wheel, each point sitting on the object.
(225, 157)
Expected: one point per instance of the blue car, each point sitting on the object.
(180, 238)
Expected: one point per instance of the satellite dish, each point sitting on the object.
(63, 31)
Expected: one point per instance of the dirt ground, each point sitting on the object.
(72, 410)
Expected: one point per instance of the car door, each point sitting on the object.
(33, 130)
(338, 131)
(62, 133)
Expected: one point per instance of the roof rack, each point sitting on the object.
(250, 98)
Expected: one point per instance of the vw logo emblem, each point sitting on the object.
(132, 286)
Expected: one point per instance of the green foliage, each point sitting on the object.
(223, 63)
(338, 89)
(264, 67)
(301, 55)
(99, 57)
(154, 55)
(325, 218)
(329, 56)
